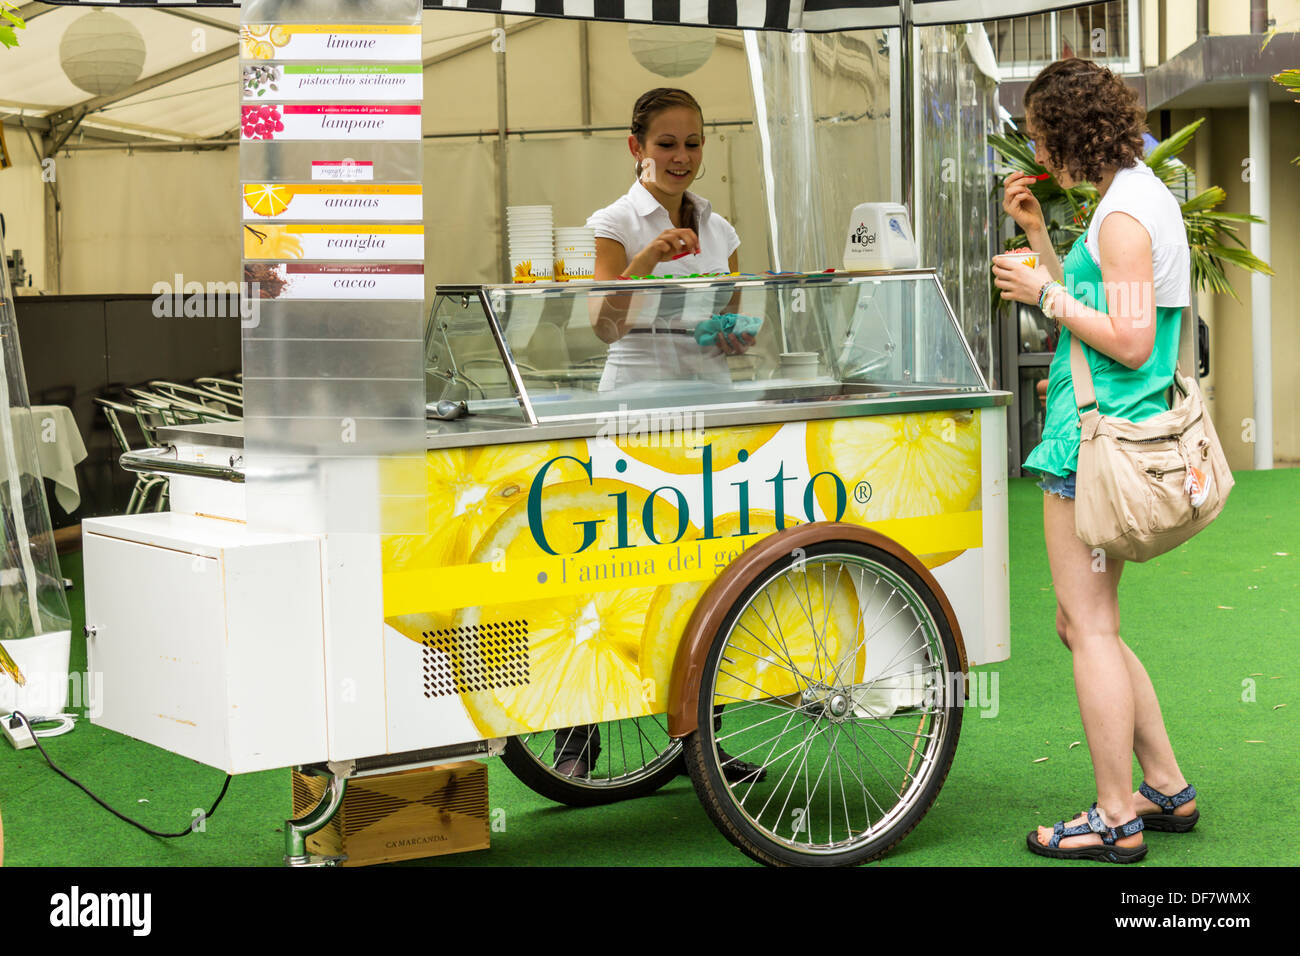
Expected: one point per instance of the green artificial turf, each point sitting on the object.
(1215, 623)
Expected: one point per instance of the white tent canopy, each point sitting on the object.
(191, 62)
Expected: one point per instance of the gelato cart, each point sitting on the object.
(769, 570)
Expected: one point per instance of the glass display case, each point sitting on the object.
(500, 356)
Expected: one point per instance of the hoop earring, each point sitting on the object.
(698, 176)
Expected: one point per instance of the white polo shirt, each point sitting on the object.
(659, 350)
(636, 218)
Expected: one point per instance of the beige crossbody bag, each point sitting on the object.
(1143, 488)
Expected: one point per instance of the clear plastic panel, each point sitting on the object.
(589, 349)
(826, 142)
(291, 162)
(32, 599)
(956, 180)
(334, 420)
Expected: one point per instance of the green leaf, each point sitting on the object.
(1172, 146)
(7, 37)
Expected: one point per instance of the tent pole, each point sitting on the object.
(906, 117)
(53, 246)
(502, 143)
(584, 72)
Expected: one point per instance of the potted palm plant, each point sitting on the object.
(9, 22)
(1211, 232)
(1291, 80)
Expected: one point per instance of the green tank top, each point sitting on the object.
(1134, 394)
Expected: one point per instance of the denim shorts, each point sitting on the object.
(1056, 485)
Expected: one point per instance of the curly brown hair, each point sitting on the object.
(1088, 119)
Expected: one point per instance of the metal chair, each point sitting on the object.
(145, 485)
(191, 395)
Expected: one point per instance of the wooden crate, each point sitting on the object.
(401, 816)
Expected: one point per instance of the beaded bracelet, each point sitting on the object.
(1048, 288)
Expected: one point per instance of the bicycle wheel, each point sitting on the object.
(833, 668)
(624, 758)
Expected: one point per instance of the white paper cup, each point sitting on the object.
(1028, 258)
(799, 365)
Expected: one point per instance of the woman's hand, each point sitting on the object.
(728, 343)
(669, 244)
(1021, 204)
(1018, 282)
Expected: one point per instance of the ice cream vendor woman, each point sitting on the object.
(661, 228)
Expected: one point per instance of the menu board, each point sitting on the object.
(332, 207)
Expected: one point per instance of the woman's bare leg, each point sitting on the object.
(1151, 741)
(1087, 594)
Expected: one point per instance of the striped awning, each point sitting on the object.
(811, 15)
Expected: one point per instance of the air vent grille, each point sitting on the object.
(475, 657)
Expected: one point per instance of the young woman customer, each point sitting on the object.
(1121, 292)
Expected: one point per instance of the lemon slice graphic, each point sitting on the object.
(795, 631)
(467, 490)
(266, 199)
(675, 451)
(583, 647)
(918, 464)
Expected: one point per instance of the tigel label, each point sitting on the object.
(333, 242)
(371, 81)
(295, 41)
(312, 280)
(278, 122)
(313, 202)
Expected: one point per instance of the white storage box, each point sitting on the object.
(208, 638)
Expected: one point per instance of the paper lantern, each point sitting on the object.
(102, 53)
(670, 51)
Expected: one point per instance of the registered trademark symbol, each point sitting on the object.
(862, 493)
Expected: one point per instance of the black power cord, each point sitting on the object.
(186, 832)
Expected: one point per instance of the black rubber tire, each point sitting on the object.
(538, 776)
(700, 747)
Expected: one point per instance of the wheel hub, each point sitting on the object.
(832, 703)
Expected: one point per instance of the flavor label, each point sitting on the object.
(314, 280)
(379, 81)
(274, 121)
(294, 41)
(306, 201)
(344, 171)
(333, 242)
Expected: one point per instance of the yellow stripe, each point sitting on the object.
(484, 584)
(341, 28)
(352, 190)
(356, 229)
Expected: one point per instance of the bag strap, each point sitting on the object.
(1085, 394)
(1081, 376)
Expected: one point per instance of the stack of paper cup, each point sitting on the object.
(531, 241)
(575, 253)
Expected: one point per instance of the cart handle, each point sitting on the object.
(162, 460)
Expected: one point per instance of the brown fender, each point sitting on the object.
(706, 619)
